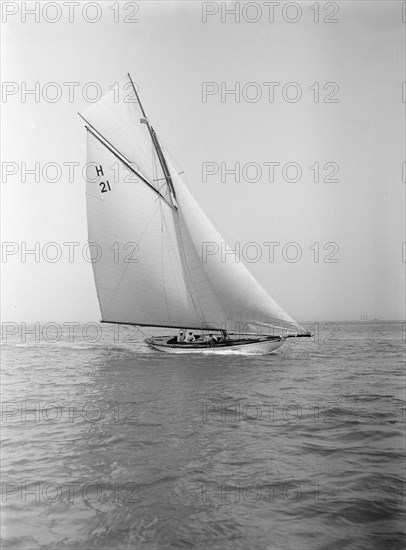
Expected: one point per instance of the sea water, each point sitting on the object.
(108, 444)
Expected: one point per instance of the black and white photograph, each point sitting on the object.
(203, 253)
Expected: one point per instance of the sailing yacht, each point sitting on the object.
(148, 234)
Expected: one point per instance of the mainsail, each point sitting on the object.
(146, 245)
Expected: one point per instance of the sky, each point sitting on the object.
(316, 85)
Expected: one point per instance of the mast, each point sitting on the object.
(123, 159)
(156, 143)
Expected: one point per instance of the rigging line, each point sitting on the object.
(179, 265)
(212, 287)
(163, 186)
(155, 142)
(182, 248)
(155, 166)
(171, 247)
(162, 261)
(155, 171)
(122, 158)
(185, 278)
(186, 267)
(94, 196)
(172, 158)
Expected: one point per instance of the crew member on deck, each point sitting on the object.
(210, 339)
(190, 337)
(181, 337)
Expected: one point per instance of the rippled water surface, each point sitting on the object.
(108, 444)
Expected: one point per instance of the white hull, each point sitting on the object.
(260, 347)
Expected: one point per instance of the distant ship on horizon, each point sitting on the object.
(364, 317)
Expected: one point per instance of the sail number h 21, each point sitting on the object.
(104, 185)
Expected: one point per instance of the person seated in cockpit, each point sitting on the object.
(181, 337)
(190, 337)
